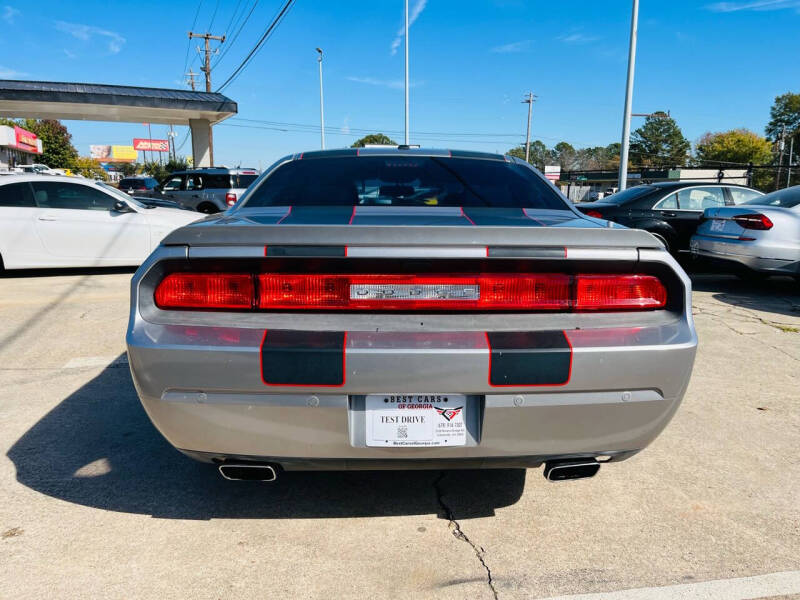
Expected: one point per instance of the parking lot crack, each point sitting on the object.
(458, 533)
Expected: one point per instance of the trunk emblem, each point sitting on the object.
(385, 291)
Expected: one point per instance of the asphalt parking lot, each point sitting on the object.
(94, 503)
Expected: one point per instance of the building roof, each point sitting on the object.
(101, 102)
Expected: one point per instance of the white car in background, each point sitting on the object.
(52, 221)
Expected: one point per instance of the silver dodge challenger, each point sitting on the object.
(395, 308)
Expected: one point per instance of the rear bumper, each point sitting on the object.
(203, 388)
(737, 254)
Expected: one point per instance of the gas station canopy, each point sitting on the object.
(100, 102)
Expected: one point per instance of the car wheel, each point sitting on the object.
(207, 208)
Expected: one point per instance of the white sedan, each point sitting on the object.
(51, 221)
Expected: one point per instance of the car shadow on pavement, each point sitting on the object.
(778, 295)
(60, 272)
(98, 448)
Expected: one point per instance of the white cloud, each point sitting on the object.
(7, 72)
(70, 55)
(395, 84)
(87, 32)
(512, 47)
(577, 38)
(413, 13)
(346, 125)
(10, 13)
(755, 5)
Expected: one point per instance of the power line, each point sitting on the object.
(213, 16)
(189, 44)
(258, 45)
(235, 36)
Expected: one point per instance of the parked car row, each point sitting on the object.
(732, 226)
(207, 191)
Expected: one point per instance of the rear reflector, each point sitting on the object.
(754, 221)
(230, 199)
(619, 292)
(594, 213)
(483, 292)
(205, 290)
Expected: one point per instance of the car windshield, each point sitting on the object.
(627, 195)
(405, 181)
(788, 198)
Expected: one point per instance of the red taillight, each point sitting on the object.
(619, 292)
(205, 290)
(230, 199)
(754, 221)
(481, 292)
(412, 292)
(593, 213)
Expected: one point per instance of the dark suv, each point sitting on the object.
(671, 211)
(138, 185)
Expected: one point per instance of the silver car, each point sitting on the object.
(209, 190)
(396, 308)
(761, 236)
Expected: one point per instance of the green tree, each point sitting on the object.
(735, 146)
(659, 142)
(57, 149)
(785, 111)
(374, 138)
(89, 167)
(540, 154)
(566, 155)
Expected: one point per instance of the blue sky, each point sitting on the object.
(714, 65)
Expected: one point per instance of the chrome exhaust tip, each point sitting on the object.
(564, 470)
(247, 472)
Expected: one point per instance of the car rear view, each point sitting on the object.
(389, 308)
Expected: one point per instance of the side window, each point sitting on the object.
(739, 195)
(194, 182)
(16, 194)
(218, 182)
(700, 198)
(55, 194)
(668, 203)
(172, 185)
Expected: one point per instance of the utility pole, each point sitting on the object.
(529, 100)
(626, 117)
(791, 155)
(191, 75)
(406, 45)
(781, 147)
(207, 70)
(171, 135)
(321, 101)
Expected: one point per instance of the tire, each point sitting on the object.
(207, 208)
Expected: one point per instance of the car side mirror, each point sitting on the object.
(120, 206)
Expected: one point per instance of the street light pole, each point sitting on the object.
(321, 101)
(406, 45)
(626, 118)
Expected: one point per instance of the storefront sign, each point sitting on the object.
(25, 140)
(143, 144)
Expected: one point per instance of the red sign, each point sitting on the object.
(25, 140)
(143, 144)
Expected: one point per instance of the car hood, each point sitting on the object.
(176, 216)
(405, 225)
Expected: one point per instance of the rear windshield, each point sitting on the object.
(628, 195)
(788, 198)
(405, 181)
(243, 181)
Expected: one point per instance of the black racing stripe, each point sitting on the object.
(303, 357)
(319, 215)
(527, 252)
(529, 358)
(500, 217)
(306, 251)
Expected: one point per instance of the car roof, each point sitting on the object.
(217, 171)
(34, 177)
(683, 184)
(398, 151)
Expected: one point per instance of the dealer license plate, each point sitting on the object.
(411, 420)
